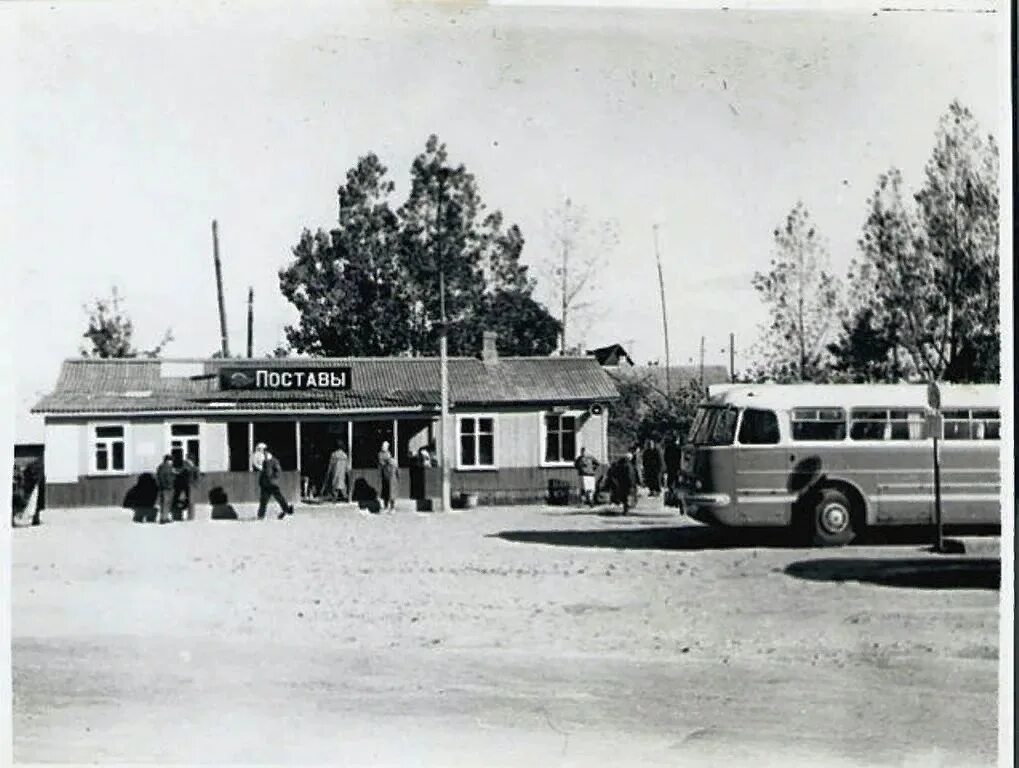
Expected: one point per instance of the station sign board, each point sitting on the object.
(272, 379)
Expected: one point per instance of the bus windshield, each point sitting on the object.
(713, 426)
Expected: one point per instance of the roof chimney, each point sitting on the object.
(489, 353)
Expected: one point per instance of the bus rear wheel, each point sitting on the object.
(832, 519)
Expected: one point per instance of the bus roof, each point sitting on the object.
(787, 396)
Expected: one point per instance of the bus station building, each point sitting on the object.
(517, 422)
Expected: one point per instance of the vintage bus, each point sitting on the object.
(831, 460)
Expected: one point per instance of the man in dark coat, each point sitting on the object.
(653, 467)
(269, 487)
(187, 476)
(166, 478)
(673, 461)
(624, 481)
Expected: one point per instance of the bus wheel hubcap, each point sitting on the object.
(835, 518)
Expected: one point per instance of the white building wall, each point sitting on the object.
(215, 450)
(146, 446)
(63, 452)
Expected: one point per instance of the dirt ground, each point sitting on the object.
(495, 637)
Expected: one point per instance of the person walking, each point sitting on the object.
(390, 473)
(334, 486)
(653, 462)
(258, 457)
(587, 469)
(624, 481)
(269, 487)
(184, 482)
(166, 479)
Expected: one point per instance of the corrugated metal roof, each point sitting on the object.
(110, 386)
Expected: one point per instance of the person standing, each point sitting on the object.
(258, 457)
(624, 481)
(334, 486)
(390, 473)
(383, 457)
(187, 476)
(673, 461)
(587, 468)
(166, 479)
(269, 487)
(653, 466)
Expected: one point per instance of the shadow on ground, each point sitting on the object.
(918, 573)
(685, 537)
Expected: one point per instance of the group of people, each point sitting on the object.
(650, 466)
(336, 481)
(174, 484)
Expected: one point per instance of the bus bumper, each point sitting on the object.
(705, 507)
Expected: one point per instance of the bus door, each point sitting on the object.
(762, 470)
(970, 469)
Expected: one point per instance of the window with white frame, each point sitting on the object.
(108, 448)
(477, 442)
(560, 438)
(885, 424)
(185, 440)
(966, 424)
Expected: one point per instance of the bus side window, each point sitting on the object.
(987, 425)
(818, 424)
(868, 424)
(957, 425)
(758, 428)
(908, 425)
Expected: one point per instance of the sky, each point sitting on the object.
(131, 126)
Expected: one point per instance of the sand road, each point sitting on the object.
(494, 637)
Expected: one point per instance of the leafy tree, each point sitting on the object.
(373, 286)
(802, 299)
(924, 303)
(524, 327)
(645, 411)
(110, 331)
(348, 285)
(889, 271)
(958, 208)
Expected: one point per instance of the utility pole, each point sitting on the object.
(732, 357)
(565, 287)
(702, 363)
(251, 322)
(444, 452)
(225, 348)
(665, 322)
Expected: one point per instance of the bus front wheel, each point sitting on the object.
(832, 518)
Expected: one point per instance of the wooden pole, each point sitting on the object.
(702, 363)
(665, 321)
(251, 322)
(732, 357)
(225, 348)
